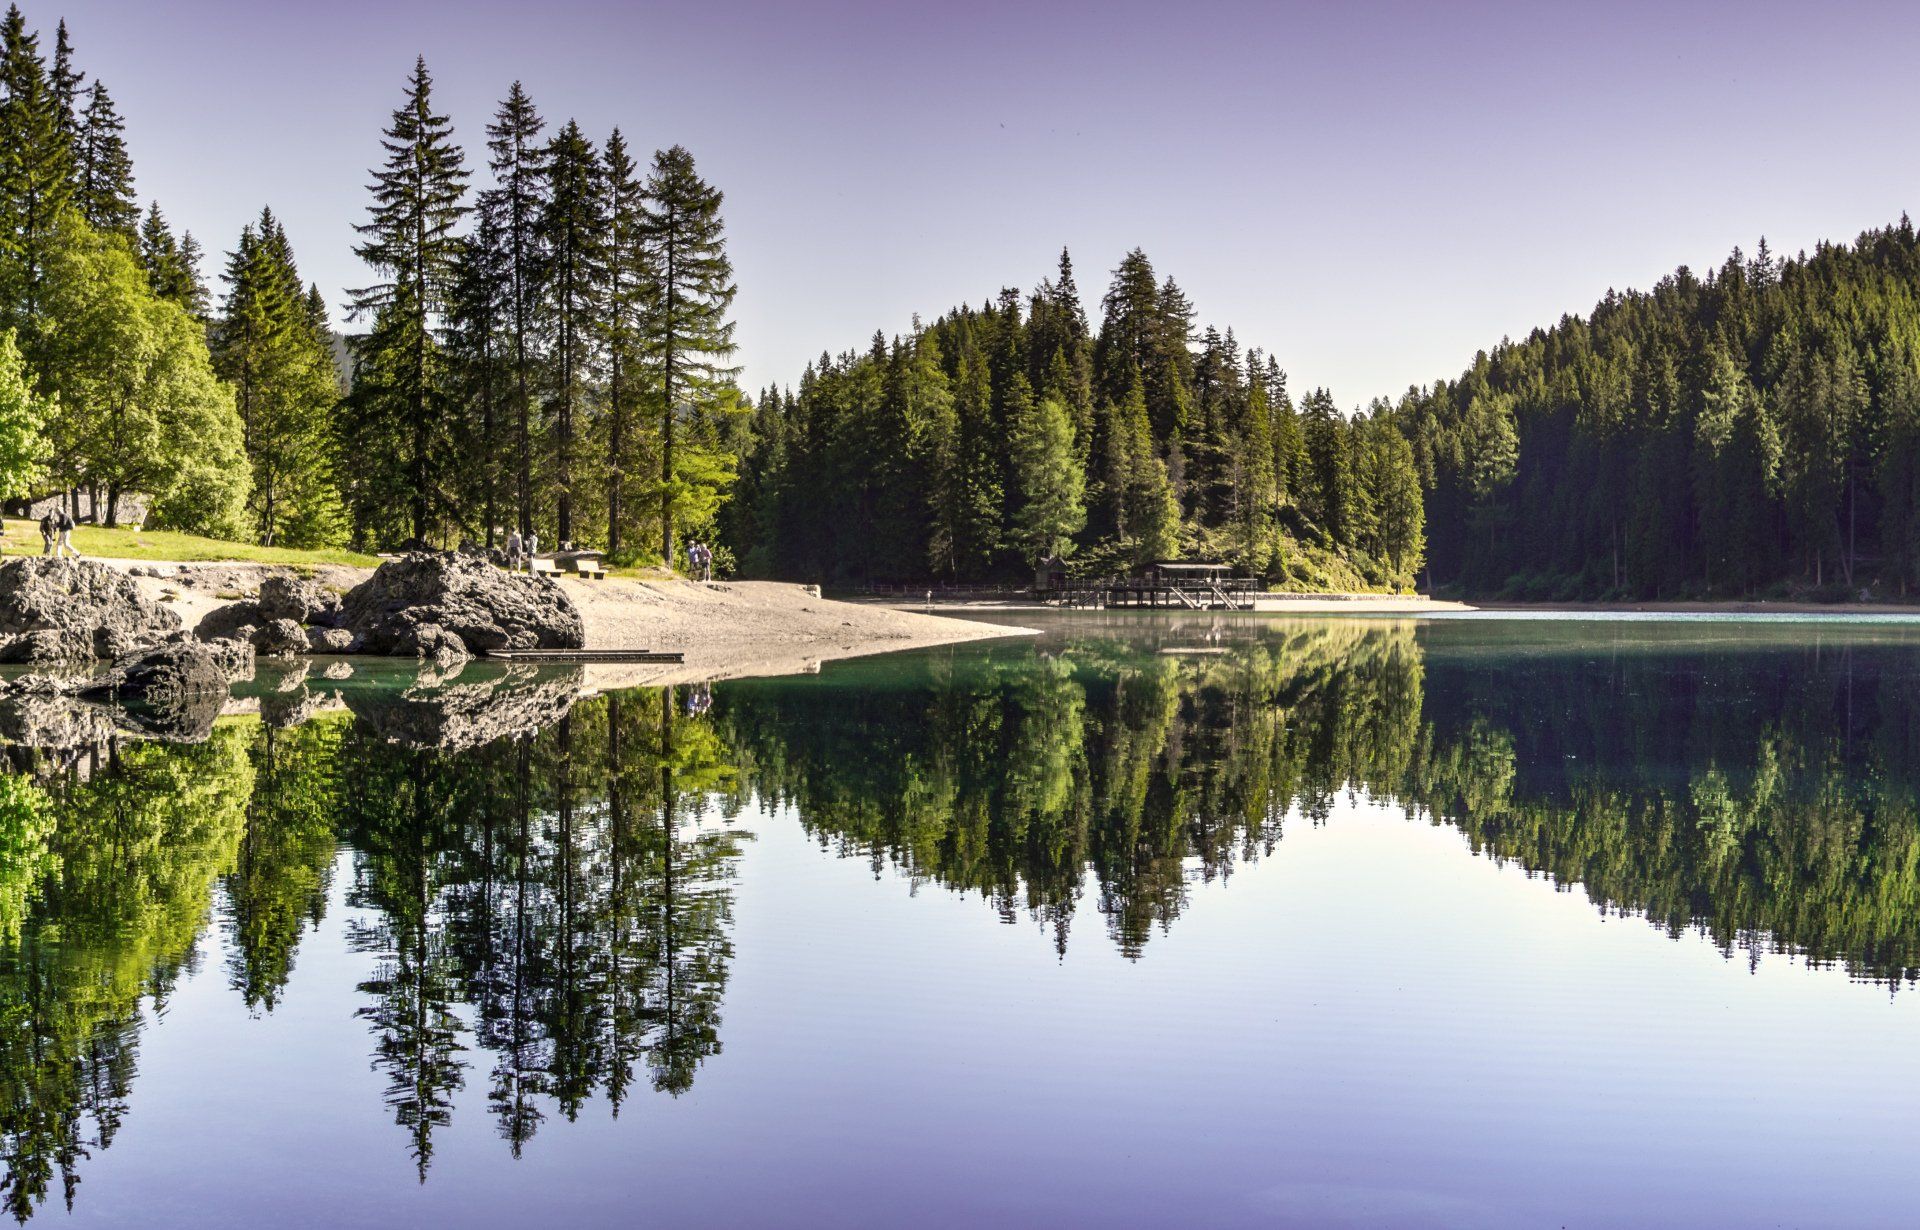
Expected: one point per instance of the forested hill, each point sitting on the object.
(1004, 433)
(1753, 431)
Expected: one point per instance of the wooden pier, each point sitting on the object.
(1165, 585)
(673, 656)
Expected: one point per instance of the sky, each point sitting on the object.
(1370, 191)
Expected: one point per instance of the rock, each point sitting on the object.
(329, 640)
(64, 609)
(55, 722)
(280, 638)
(462, 598)
(283, 709)
(235, 621)
(432, 641)
(286, 596)
(163, 675)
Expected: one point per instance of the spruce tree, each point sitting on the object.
(36, 174)
(517, 159)
(689, 335)
(275, 355)
(103, 169)
(409, 241)
(1050, 484)
(65, 81)
(629, 281)
(478, 350)
(572, 234)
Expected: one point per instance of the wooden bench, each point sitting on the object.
(540, 565)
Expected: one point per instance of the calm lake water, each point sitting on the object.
(1234, 921)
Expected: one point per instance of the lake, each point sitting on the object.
(1234, 921)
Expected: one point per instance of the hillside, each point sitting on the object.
(1752, 431)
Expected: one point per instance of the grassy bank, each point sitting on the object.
(23, 538)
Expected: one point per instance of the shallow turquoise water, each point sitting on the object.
(1175, 920)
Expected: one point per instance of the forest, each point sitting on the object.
(1755, 431)
(546, 351)
(1000, 435)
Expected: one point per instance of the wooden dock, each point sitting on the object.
(669, 656)
(1166, 585)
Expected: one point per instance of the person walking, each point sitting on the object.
(513, 551)
(533, 548)
(46, 532)
(63, 523)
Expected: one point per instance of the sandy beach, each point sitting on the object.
(726, 629)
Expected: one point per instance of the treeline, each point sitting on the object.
(547, 353)
(1755, 431)
(999, 435)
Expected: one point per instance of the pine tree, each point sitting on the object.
(572, 236)
(1050, 485)
(629, 280)
(478, 349)
(270, 349)
(517, 159)
(689, 335)
(36, 174)
(410, 241)
(65, 81)
(103, 169)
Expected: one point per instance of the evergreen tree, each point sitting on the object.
(36, 173)
(22, 414)
(689, 336)
(410, 242)
(572, 234)
(629, 281)
(1049, 482)
(513, 206)
(277, 359)
(103, 189)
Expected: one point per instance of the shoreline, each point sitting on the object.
(726, 629)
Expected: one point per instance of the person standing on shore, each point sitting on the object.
(513, 551)
(533, 548)
(46, 533)
(63, 522)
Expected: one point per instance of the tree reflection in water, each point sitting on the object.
(542, 888)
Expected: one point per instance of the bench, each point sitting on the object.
(541, 566)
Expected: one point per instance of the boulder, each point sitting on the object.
(235, 621)
(65, 609)
(280, 638)
(163, 675)
(424, 603)
(329, 640)
(286, 596)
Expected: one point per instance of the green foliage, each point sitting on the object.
(22, 415)
(1047, 478)
(137, 404)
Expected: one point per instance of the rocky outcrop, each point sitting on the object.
(64, 609)
(329, 640)
(237, 621)
(445, 605)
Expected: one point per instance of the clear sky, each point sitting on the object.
(1371, 191)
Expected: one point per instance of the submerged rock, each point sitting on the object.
(448, 604)
(66, 609)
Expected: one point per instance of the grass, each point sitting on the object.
(23, 538)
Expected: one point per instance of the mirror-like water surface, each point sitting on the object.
(1179, 921)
